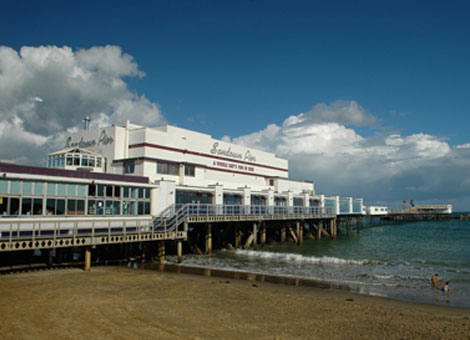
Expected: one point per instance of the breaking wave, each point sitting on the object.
(289, 257)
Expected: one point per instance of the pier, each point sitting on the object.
(198, 226)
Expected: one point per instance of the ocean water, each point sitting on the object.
(394, 261)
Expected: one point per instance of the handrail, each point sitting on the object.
(169, 221)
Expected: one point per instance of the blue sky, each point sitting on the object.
(232, 68)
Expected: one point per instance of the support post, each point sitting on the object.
(209, 239)
(161, 252)
(263, 235)
(283, 235)
(87, 259)
(50, 258)
(238, 239)
(179, 249)
(318, 232)
(299, 233)
(255, 235)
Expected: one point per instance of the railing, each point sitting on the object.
(176, 214)
(32, 228)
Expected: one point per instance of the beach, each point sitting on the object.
(127, 303)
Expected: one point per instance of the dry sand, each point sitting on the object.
(122, 303)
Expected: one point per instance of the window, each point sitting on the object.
(15, 187)
(189, 170)
(38, 188)
(128, 167)
(51, 187)
(166, 168)
(69, 160)
(109, 191)
(72, 190)
(3, 186)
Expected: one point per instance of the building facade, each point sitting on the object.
(192, 167)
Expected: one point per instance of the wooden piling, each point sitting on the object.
(249, 241)
(87, 260)
(161, 251)
(209, 239)
(263, 235)
(283, 235)
(180, 251)
(238, 239)
(294, 236)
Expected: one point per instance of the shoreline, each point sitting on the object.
(120, 302)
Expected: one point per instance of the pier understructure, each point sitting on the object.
(200, 227)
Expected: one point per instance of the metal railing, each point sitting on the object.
(33, 228)
(176, 214)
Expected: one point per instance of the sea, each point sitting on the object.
(395, 261)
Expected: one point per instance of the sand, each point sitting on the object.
(124, 303)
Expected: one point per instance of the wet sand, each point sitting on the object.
(123, 303)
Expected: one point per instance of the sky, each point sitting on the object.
(365, 98)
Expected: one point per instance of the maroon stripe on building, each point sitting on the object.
(184, 151)
(34, 170)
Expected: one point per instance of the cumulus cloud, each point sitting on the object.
(383, 168)
(48, 90)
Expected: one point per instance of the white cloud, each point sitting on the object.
(47, 90)
(380, 168)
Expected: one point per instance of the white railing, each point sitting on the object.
(174, 215)
(39, 227)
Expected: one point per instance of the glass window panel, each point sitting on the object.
(14, 206)
(60, 207)
(133, 192)
(70, 207)
(109, 191)
(132, 208)
(84, 160)
(91, 207)
(50, 206)
(125, 208)
(141, 208)
(49, 163)
(3, 185)
(72, 189)
(38, 188)
(27, 187)
(61, 189)
(147, 208)
(51, 187)
(37, 206)
(26, 204)
(98, 162)
(99, 207)
(116, 207)
(117, 191)
(91, 161)
(15, 187)
(147, 193)
(100, 190)
(80, 190)
(125, 192)
(91, 190)
(80, 208)
(109, 208)
(69, 160)
(76, 160)
(3, 205)
(141, 192)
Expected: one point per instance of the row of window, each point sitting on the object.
(59, 161)
(26, 206)
(163, 168)
(70, 189)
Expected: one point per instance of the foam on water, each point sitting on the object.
(288, 257)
